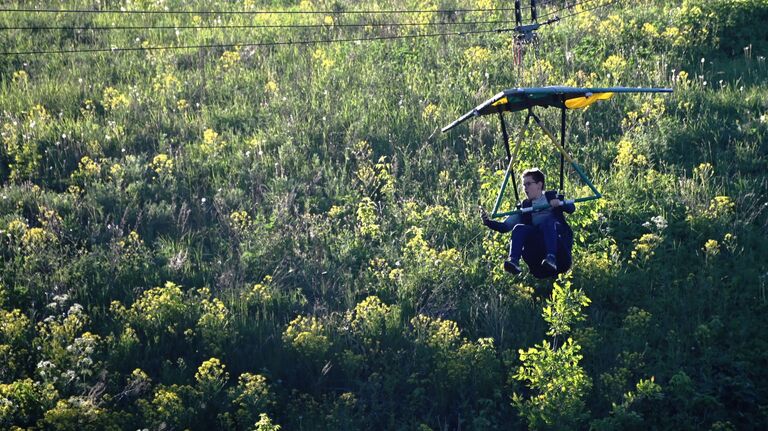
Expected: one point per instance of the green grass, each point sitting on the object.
(297, 178)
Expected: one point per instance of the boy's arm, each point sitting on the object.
(569, 207)
(555, 200)
(501, 227)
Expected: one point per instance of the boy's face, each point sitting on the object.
(532, 188)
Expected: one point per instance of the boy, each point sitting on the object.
(548, 223)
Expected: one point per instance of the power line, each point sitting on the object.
(247, 26)
(252, 44)
(287, 26)
(596, 7)
(259, 12)
(285, 43)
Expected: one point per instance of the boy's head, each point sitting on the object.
(533, 183)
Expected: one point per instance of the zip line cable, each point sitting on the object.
(263, 12)
(284, 43)
(253, 44)
(259, 12)
(246, 26)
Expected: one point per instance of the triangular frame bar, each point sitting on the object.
(563, 156)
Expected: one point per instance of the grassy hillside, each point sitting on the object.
(267, 230)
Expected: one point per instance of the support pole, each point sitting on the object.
(510, 168)
(505, 135)
(562, 144)
(510, 172)
(568, 157)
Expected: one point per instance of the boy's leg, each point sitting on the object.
(519, 234)
(549, 231)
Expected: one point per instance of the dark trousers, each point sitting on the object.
(521, 233)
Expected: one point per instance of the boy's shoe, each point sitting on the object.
(550, 262)
(512, 267)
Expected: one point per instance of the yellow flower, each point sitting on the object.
(711, 248)
(210, 136)
(162, 164)
(336, 211)
(36, 237)
(87, 168)
(477, 56)
(431, 112)
(211, 142)
(270, 87)
(229, 59)
(166, 82)
(615, 65)
(20, 77)
(628, 156)
(17, 227)
(113, 99)
(720, 206)
(650, 30)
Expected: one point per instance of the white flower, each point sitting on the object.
(75, 309)
(660, 222)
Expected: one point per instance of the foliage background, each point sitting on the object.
(256, 237)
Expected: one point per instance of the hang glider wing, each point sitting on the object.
(518, 99)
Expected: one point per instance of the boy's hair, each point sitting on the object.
(534, 173)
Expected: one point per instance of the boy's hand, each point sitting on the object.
(483, 215)
(554, 203)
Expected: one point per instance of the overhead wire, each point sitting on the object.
(258, 26)
(251, 26)
(287, 43)
(259, 12)
(245, 44)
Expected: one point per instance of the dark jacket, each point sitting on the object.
(527, 218)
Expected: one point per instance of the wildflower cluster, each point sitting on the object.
(114, 100)
(162, 165)
(711, 248)
(418, 251)
(87, 171)
(629, 157)
(211, 376)
(229, 60)
(367, 219)
(212, 144)
(322, 59)
(615, 66)
(159, 310)
(371, 320)
(214, 324)
(645, 247)
(373, 179)
(477, 56)
(260, 293)
(306, 336)
(564, 308)
(720, 206)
